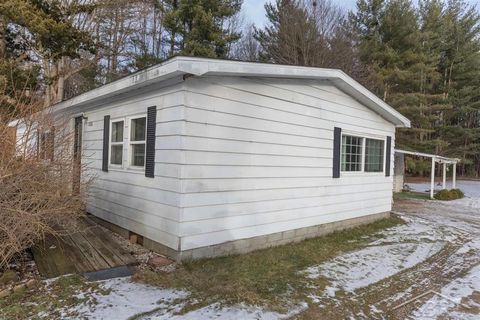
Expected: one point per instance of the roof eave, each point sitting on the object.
(178, 66)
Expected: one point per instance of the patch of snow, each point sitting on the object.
(471, 189)
(415, 230)
(127, 299)
(452, 295)
(217, 311)
(364, 267)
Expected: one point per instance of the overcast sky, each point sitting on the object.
(255, 13)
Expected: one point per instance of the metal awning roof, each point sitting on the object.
(437, 158)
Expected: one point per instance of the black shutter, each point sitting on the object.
(150, 148)
(387, 157)
(106, 144)
(337, 141)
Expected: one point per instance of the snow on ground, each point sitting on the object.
(470, 188)
(451, 297)
(216, 311)
(128, 299)
(429, 228)
(362, 268)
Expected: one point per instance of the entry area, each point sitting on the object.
(90, 251)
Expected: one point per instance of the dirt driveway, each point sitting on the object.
(428, 268)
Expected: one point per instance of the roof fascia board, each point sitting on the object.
(203, 67)
(161, 72)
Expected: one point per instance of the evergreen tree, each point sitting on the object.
(200, 27)
(44, 30)
(290, 37)
(460, 67)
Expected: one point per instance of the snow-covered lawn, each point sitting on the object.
(127, 299)
(427, 268)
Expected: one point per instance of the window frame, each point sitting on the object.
(130, 142)
(111, 143)
(364, 137)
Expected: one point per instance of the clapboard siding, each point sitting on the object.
(124, 196)
(165, 238)
(192, 186)
(291, 214)
(276, 203)
(251, 95)
(258, 158)
(206, 239)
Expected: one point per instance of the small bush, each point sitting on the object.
(459, 193)
(448, 195)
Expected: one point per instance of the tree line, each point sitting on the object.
(423, 58)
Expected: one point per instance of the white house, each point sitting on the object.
(201, 157)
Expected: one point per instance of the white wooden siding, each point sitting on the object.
(258, 158)
(126, 197)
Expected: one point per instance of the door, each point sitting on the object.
(77, 154)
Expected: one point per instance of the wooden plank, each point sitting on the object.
(59, 263)
(78, 259)
(105, 242)
(44, 265)
(91, 254)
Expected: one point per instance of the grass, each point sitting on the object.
(47, 299)
(266, 277)
(411, 195)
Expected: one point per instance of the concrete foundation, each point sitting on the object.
(251, 244)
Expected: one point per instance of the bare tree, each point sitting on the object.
(247, 48)
(40, 194)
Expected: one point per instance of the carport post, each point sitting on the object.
(444, 181)
(454, 177)
(432, 181)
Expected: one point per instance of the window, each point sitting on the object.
(361, 154)
(137, 141)
(116, 141)
(351, 153)
(374, 155)
(46, 145)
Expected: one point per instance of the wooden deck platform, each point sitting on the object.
(87, 251)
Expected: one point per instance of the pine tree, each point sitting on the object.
(460, 67)
(46, 28)
(199, 27)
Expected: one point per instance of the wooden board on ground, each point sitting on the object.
(87, 250)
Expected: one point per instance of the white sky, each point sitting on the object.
(254, 11)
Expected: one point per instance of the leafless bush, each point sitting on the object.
(39, 195)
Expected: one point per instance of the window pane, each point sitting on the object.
(138, 155)
(117, 154)
(374, 155)
(351, 153)
(117, 131)
(138, 129)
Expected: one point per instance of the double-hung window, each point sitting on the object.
(116, 143)
(135, 129)
(138, 129)
(362, 154)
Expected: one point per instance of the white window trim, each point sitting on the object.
(364, 137)
(110, 144)
(128, 125)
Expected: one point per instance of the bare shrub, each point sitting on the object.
(38, 192)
